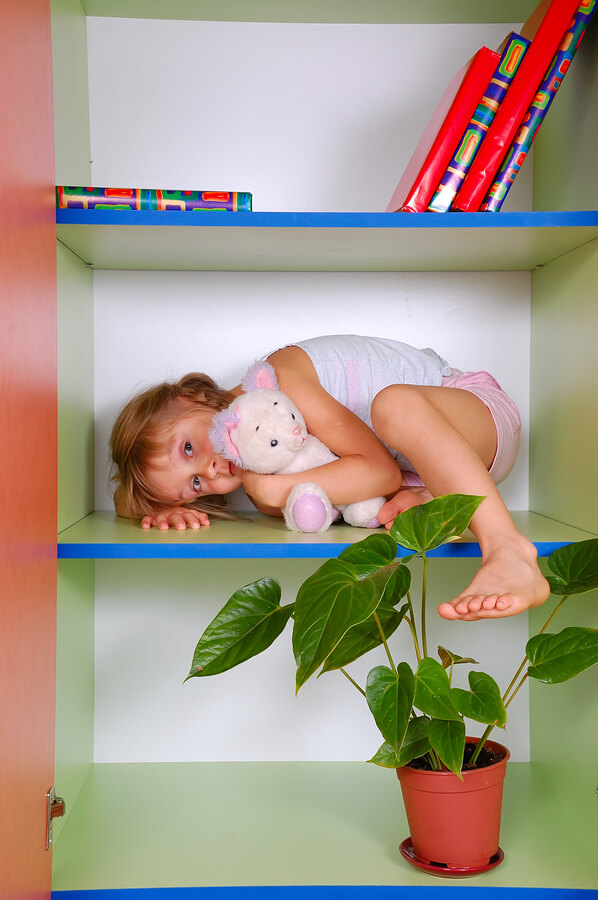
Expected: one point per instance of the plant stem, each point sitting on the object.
(423, 611)
(516, 690)
(513, 686)
(481, 742)
(410, 622)
(521, 667)
(354, 683)
(383, 636)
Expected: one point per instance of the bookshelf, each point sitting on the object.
(216, 826)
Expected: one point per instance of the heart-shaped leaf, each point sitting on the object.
(425, 527)
(448, 658)
(371, 553)
(448, 740)
(365, 637)
(246, 625)
(416, 741)
(558, 657)
(385, 756)
(483, 703)
(390, 697)
(575, 568)
(330, 602)
(433, 691)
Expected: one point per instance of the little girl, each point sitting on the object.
(404, 424)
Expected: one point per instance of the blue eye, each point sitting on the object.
(188, 448)
(196, 483)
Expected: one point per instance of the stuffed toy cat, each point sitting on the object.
(262, 430)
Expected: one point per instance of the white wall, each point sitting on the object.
(149, 617)
(220, 322)
(308, 117)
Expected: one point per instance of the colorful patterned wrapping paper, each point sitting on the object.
(443, 132)
(149, 198)
(537, 111)
(557, 15)
(478, 125)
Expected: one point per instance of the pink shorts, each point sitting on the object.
(503, 411)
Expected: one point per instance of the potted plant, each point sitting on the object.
(353, 604)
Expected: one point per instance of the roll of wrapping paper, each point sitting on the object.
(557, 15)
(537, 111)
(149, 198)
(478, 125)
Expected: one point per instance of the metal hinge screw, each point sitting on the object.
(55, 808)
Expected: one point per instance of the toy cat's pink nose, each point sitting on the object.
(297, 429)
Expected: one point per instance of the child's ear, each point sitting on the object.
(222, 432)
(260, 376)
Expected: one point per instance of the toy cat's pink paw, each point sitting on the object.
(373, 523)
(309, 513)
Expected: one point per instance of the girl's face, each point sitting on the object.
(190, 467)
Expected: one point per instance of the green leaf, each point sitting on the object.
(390, 697)
(246, 625)
(330, 602)
(415, 744)
(433, 691)
(385, 756)
(575, 568)
(416, 741)
(425, 527)
(448, 658)
(365, 637)
(371, 553)
(483, 703)
(448, 740)
(558, 657)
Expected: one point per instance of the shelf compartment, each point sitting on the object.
(322, 241)
(102, 535)
(167, 825)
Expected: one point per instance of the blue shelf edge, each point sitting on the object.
(223, 219)
(254, 551)
(328, 892)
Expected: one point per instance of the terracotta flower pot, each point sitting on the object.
(454, 825)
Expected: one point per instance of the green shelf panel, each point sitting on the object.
(376, 11)
(240, 824)
(102, 535)
(322, 241)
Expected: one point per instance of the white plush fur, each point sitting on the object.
(262, 430)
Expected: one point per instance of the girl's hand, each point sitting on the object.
(179, 517)
(259, 490)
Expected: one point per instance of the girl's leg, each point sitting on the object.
(450, 437)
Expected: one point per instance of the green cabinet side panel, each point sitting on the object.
(74, 680)
(71, 99)
(564, 376)
(75, 389)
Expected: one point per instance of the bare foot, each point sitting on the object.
(402, 500)
(508, 582)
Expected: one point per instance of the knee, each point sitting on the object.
(395, 408)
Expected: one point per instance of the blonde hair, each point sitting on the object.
(141, 432)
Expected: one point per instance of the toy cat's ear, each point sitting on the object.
(260, 376)
(222, 432)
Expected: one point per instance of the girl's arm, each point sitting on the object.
(365, 467)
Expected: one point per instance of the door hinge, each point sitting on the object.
(55, 808)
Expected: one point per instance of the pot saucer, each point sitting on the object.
(445, 871)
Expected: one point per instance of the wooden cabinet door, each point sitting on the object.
(27, 446)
